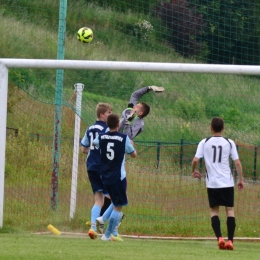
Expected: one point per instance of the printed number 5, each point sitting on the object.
(110, 151)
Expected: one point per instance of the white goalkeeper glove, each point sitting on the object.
(129, 118)
(156, 89)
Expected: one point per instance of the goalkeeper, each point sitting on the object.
(131, 124)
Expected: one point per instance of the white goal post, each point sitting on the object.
(5, 64)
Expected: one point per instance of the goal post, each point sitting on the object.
(3, 117)
(73, 197)
(5, 64)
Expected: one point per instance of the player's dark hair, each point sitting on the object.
(112, 121)
(146, 109)
(217, 124)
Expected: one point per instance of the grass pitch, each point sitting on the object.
(46, 247)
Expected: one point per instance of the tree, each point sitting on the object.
(184, 23)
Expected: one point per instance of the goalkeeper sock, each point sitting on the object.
(231, 226)
(215, 223)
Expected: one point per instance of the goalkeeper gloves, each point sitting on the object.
(156, 89)
(129, 118)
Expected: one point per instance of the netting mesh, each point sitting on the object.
(164, 199)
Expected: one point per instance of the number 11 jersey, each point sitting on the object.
(216, 151)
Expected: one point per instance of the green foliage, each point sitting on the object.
(34, 82)
(191, 107)
(49, 18)
(140, 29)
(7, 229)
(232, 31)
(13, 99)
(232, 115)
(126, 6)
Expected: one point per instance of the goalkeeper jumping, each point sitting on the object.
(131, 124)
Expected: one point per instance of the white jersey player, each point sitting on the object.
(217, 151)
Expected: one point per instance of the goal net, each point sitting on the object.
(164, 200)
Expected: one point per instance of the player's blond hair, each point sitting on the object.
(102, 108)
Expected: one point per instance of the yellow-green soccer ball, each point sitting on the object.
(85, 35)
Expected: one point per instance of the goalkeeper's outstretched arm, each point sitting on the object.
(140, 92)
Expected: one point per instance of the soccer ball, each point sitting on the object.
(85, 35)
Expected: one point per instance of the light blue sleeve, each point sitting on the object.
(128, 146)
(96, 141)
(85, 141)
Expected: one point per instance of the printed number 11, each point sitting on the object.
(215, 153)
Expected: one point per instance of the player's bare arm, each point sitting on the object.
(195, 173)
(134, 154)
(239, 170)
(84, 150)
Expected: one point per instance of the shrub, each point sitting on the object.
(190, 107)
(143, 30)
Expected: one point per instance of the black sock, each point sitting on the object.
(215, 223)
(107, 203)
(231, 226)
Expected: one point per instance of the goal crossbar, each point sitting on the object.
(131, 66)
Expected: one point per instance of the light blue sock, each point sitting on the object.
(112, 223)
(108, 212)
(115, 232)
(95, 212)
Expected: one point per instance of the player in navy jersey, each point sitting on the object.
(131, 124)
(216, 151)
(93, 162)
(113, 146)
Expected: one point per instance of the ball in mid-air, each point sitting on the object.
(85, 35)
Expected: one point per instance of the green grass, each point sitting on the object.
(45, 247)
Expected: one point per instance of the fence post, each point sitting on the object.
(181, 153)
(158, 151)
(255, 163)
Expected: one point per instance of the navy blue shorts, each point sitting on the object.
(96, 182)
(117, 193)
(221, 197)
